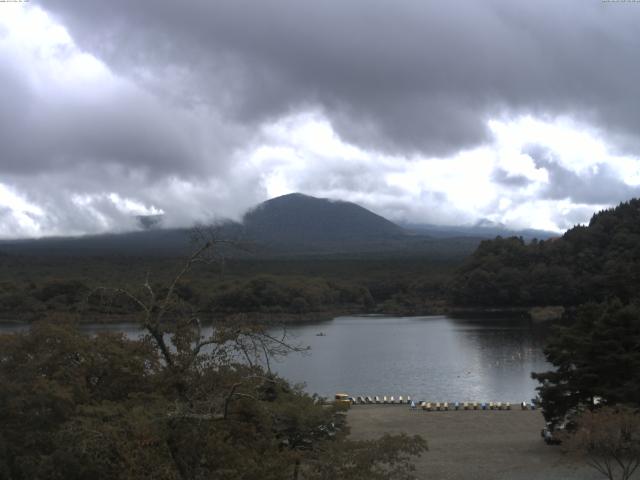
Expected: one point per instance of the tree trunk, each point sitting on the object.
(296, 469)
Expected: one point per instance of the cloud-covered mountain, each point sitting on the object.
(290, 224)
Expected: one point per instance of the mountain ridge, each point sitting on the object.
(290, 224)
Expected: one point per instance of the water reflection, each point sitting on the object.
(504, 355)
(427, 357)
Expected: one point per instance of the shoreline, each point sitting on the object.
(535, 314)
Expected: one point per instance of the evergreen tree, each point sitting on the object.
(597, 357)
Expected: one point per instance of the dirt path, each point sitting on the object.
(473, 445)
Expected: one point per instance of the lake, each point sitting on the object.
(435, 358)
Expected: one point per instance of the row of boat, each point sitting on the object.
(343, 398)
(384, 399)
(428, 406)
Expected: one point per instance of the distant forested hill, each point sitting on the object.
(298, 218)
(481, 229)
(591, 263)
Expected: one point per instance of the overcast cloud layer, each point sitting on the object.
(438, 112)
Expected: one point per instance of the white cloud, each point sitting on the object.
(18, 217)
(302, 152)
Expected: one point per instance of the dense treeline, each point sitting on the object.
(588, 263)
(291, 295)
(262, 293)
(31, 287)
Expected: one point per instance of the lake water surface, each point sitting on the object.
(434, 358)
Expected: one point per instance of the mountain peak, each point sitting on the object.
(296, 197)
(297, 218)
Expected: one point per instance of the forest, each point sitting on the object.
(588, 263)
(292, 287)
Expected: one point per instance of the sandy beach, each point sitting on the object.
(473, 445)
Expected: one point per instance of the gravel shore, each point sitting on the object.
(473, 445)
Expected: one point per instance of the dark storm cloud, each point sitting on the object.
(58, 128)
(407, 76)
(74, 134)
(186, 89)
(599, 184)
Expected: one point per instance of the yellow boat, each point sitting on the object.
(342, 399)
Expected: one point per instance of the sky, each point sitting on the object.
(441, 112)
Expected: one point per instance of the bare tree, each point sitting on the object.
(175, 327)
(609, 439)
